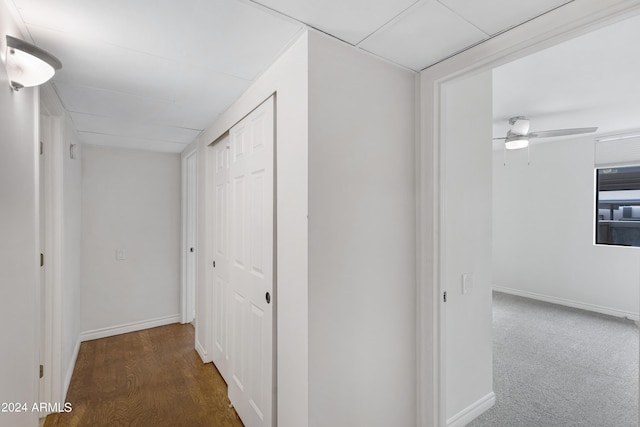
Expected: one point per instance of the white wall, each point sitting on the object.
(362, 367)
(543, 232)
(72, 252)
(467, 249)
(19, 277)
(131, 201)
(287, 78)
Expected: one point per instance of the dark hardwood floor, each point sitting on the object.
(147, 378)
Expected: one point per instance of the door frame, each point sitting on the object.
(52, 116)
(187, 292)
(559, 25)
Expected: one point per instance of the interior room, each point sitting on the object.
(545, 219)
(548, 206)
(256, 212)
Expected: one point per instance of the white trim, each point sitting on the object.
(183, 248)
(186, 155)
(37, 336)
(472, 411)
(564, 23)
(202, 352)
(72, 365)
(128, 327)
(52, 118)
(569, 303)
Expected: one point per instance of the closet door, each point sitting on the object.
(251, 272)
(221, 285)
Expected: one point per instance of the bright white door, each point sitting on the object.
(191, 238)
(251, 269)
(43, 312)
(221, 291)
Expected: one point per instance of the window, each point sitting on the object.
(618, 202)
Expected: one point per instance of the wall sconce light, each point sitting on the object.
(28, 65)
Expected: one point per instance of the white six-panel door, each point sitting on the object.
(244, 291)
(220, 356)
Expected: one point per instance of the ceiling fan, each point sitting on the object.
(518, 136)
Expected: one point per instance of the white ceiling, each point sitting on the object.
(153, 74)
(591, 80)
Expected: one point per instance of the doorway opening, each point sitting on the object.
(449, 281)
(52, 383)
(543, 236)
(189, 236)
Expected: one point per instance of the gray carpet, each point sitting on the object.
(556, 366)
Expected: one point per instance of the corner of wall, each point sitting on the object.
(70, 368)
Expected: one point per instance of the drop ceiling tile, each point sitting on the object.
(128, 142)
(203, 96)
(233, 37)
(228, 36)
(131, 128)
(493, 16)
(109, 103)
(349, 20)
(104, 66)
(428, 34)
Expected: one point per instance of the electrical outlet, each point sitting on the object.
(467, 284)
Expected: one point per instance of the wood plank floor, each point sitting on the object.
(147, 378)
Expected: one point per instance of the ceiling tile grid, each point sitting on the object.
(427, 34)
(134, 128)
(348, 20)
(147, 70)
(173, 65)
(495, 16)
(130, 142)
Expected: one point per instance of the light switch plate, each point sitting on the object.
(467, 284)
(121, 254)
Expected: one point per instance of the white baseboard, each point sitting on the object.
(72, 365)
(129, 327)
(202, 352)
(569, 303)
(472, 411)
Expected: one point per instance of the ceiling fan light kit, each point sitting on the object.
(518, 136)
(516, 143)
(519, 125)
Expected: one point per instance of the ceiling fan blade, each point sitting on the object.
(504, 137)
(561, 132)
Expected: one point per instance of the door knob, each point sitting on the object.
(268, 297)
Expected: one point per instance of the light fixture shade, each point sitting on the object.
(28, 65)
(516, 143)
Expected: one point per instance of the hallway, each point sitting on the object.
(152, 377)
